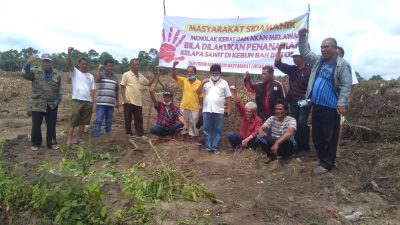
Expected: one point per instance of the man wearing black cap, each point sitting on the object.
(167, 116)
(46, 95)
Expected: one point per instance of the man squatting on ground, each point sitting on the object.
(283, 127)
(169, 117)
(249, 125)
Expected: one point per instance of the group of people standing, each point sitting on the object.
(46, 88)
(276, 121)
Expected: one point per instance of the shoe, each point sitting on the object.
(80, 141)
(315, 163)
(302, 154)
(269, 160)
(34, 148)
(55, 147)
(215, 151)
(320, 170)
(143, 137)
(284, 158)
(200, 142)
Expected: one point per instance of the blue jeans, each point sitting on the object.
(236, 141)
(103, 111)
(165, 131)
(302, 135)
(212, 123)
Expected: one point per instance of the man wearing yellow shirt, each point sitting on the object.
(133, 84)
(190, 104)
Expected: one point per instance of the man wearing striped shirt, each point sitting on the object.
(329, 89)
(107, 96)
(283, 127)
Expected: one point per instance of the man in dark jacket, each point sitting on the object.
(267, 92)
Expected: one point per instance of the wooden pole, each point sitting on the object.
(151, 103)
(233, 102)
(308, 18)
(165, 12)
(157, 79)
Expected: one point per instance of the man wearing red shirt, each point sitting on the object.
(249, 125)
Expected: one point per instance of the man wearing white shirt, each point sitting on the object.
(354, 84)
(216, 93)
(83, 93)
(354, 88)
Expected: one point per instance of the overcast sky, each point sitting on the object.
(369, 31)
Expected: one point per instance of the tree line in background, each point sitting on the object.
(12, 60)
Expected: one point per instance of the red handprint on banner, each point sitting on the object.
(167, 50)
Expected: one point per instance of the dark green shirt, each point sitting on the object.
(44, 93)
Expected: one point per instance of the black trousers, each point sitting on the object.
(325, 132)
(136, 111)
(36, 134)
(286, 149)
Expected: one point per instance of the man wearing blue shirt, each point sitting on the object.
(328, 88)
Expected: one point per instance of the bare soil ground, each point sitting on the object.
(366, 177)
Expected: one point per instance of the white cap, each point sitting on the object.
(296, 53)
(46, 56)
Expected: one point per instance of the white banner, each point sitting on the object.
(238, 45)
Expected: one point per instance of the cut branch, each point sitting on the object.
(359, 126)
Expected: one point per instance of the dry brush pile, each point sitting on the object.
(375, 112)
